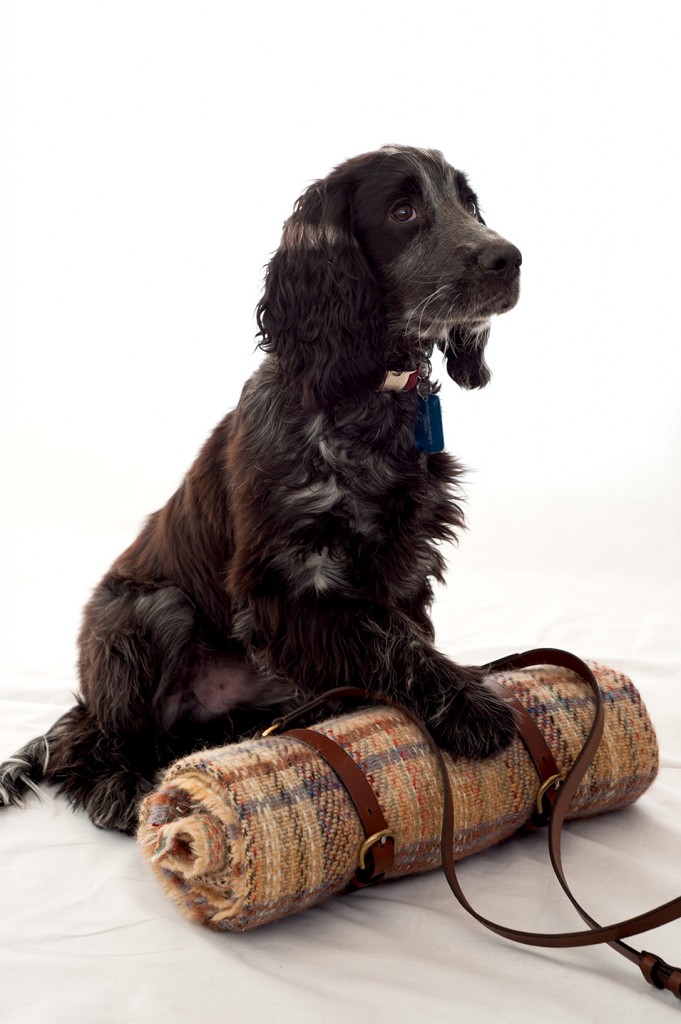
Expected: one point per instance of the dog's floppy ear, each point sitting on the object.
(321, 313)
(464, 351)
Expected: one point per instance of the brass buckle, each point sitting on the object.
(377, 837)
(553, 780)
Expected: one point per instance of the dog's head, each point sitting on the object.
(379, 261)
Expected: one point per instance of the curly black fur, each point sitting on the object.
(298, 553)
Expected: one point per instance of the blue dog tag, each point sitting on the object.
(429, 434)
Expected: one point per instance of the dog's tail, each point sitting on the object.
(30, 766)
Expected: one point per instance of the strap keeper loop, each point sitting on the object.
(660, 974)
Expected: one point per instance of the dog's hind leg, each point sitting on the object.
(155, 686)
(136, 646)
(137, 643)
(101, 772)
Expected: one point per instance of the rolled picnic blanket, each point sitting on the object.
(251, 832)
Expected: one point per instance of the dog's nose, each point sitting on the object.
(502, 259)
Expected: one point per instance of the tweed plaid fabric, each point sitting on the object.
(244, 834)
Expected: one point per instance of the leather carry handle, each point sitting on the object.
(654, 969)
(557, 795)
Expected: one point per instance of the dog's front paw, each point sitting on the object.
(474, 722)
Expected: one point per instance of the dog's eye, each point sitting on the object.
(471, 208)
(403, 212)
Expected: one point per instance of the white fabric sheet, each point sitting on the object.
(87, 935)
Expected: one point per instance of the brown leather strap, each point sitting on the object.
(377, 853)
(538, 749)
(654, 969)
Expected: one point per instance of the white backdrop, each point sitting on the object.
(152, 150)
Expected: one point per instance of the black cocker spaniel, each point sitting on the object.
(298, 553)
